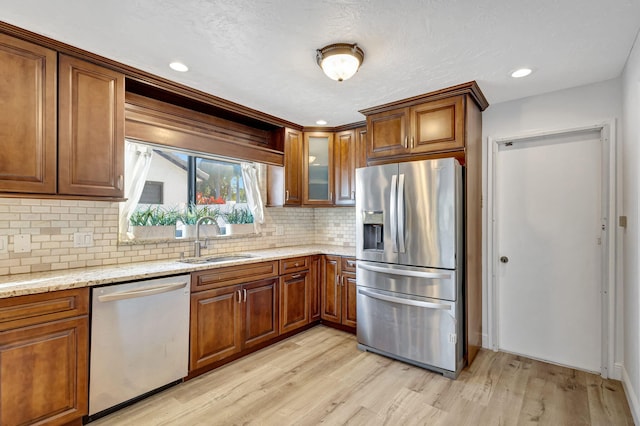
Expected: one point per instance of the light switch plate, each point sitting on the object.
(4, 244)
(83, 239)
(22, 243)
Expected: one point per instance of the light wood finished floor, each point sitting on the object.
(320, 377)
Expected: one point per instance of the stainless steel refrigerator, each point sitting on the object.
(409, 249)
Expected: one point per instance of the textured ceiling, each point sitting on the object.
(261, 53)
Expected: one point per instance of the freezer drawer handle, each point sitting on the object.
(149, 291)
(402, 301)
(417, 274)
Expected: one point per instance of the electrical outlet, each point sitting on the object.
(22, 243)
(83, 239)
(4, 244)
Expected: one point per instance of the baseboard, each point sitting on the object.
(485, 341)
(616, 374)
(632, 397)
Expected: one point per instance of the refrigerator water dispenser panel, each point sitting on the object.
(373, 230)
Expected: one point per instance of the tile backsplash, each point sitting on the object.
(51, 224)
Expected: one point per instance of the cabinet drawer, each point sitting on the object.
(221, 277)
(294, 264)
(22, 311)
(348, 264)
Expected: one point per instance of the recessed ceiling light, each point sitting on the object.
(179, 66)
(522, 72)
(321, 122)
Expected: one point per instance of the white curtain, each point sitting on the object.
(252, 189)
(137, 162)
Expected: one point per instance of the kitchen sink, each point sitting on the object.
(215, 259)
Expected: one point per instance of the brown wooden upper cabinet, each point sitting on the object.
(284, 184)
(91, 133)
(427, 127)
(79, 153)
(28, 120)
(317, 169)
(344, 149)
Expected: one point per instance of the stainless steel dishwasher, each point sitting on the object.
(139, 340)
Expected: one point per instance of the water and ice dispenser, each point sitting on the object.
(373, 230)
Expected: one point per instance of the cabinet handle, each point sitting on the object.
(406, 141)
(296, 276)
(351, 263)
(353, 195)
(120, 180)
(238, 296)
(244, 293)
(286, 195)
(330, 195)
(412, 141)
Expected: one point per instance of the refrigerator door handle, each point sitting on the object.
(406, 273)
(401, 218)
(410, 302)
(393, 213)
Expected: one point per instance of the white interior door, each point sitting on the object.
(549, 232)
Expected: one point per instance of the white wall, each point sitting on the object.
(174, 178)
(577, 107)
(631, 236)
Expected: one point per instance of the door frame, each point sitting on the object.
(610, 270)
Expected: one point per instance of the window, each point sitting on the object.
(152, 193)
(175, 180)
(218, 182)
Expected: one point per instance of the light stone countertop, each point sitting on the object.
(42, 282)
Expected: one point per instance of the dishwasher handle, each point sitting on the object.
(149, 291)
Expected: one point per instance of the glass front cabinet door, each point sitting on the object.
(318, 168)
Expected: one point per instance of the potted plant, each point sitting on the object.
(153, 223)
(208, 228)
(239, 221)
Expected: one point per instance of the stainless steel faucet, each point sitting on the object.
(197, 243)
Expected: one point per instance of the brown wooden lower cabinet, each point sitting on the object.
(228, 319)
(349, 299)
(338, 290)
(294, 303)
(44, 366)
(315, 274)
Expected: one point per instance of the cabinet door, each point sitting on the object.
(344, 149)
(294, 301)
(91, 133)
(43, 373)
(387, 132)
(215, 325)
(314, 288)
(317, 163)
(260, 301)
(292, 167)
(28, 119)
(361, 147)
(437, 126)
(349, 299)
(330, 289)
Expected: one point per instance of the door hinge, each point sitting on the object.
(453, 338)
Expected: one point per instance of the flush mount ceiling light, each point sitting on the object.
(522, 72)
(321, 122)
(178, 66)
(340, 61)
